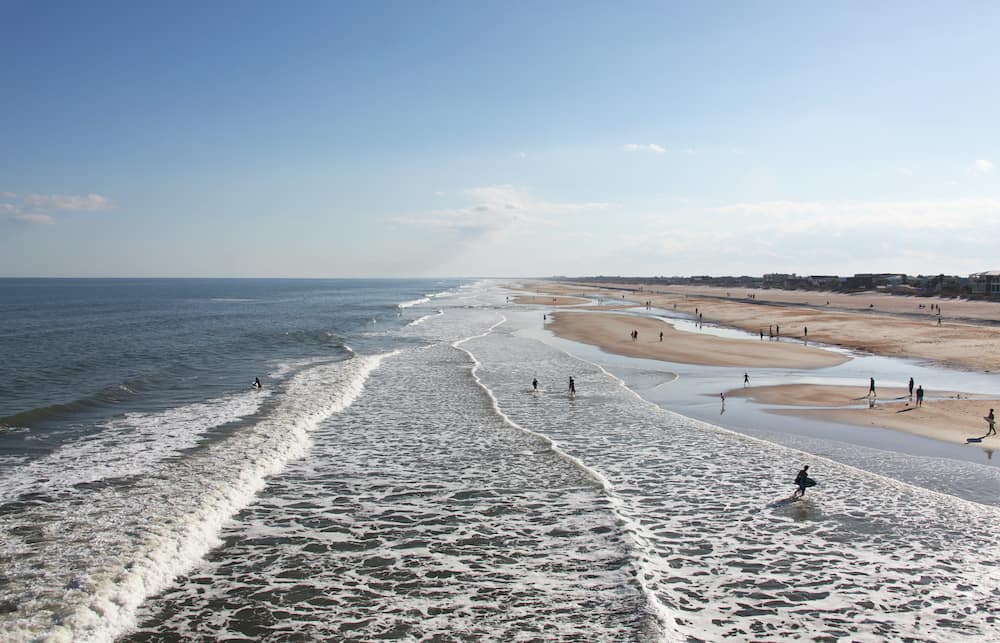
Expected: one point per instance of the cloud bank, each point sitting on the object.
(644, 147)
(495, 209)
(41, 208)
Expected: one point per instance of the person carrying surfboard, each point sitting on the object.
(802, 480)
(256, 383)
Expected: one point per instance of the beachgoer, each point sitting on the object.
(761, 334)
(801, 481)
(992, 421)
(920, 395)
(911, 388)
(661, 335)
(256, 383)
(871, 387)
(805, 331)
(534, 384)
(746, 379)
(572, 386)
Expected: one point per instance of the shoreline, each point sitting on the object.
(951, 416)
(880, 324)
(944, 415)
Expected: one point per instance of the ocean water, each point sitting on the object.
(396, 478)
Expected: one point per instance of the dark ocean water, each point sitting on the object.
(396, 478)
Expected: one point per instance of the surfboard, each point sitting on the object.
(810, 482)
(968, 440)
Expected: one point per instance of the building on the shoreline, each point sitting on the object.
(985, 284)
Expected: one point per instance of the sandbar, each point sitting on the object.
(944, 415)
(612, 333)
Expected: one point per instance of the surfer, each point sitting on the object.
(992, 421)
(746, 379)
(572, 387)
(802, 480)
(534, 384)
(256, 383)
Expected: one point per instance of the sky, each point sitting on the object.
(504, 139)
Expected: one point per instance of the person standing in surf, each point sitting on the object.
(534, 385)
(572, 387)
(256, 383)
(802, 481)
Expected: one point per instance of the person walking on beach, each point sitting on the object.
(572, 386)
(871, 387)
(920, 395)
(802, 481)
(746, 379)
(992, 421)
(534, 384)
(661, 335)
(911, 388)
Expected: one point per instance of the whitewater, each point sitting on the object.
(414, 487)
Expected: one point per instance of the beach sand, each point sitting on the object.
(871, 322)
(943, 415)
(548, 300)
(876, 323)
(612, 333)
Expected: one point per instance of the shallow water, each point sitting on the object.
(409, 484)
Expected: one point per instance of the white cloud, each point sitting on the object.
(981, 166)
(38, 208)
(644, 147)
(34, 218)
(494, 209)
(67, 203)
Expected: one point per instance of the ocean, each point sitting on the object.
(396, 478)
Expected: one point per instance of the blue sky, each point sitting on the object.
(329, 139)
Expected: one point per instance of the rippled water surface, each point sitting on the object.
(397, 478)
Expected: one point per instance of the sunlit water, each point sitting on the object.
(412, 486)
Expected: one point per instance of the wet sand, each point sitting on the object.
(944, 415)
(611, 332)
(876, 323)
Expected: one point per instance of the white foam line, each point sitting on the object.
(173, 551)
(408, 304)
(969, 504)
(417, 322)
(660, 612)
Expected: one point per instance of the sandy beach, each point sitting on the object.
(612, 333)
(875, 323)
(871, 322)
(942, 416)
